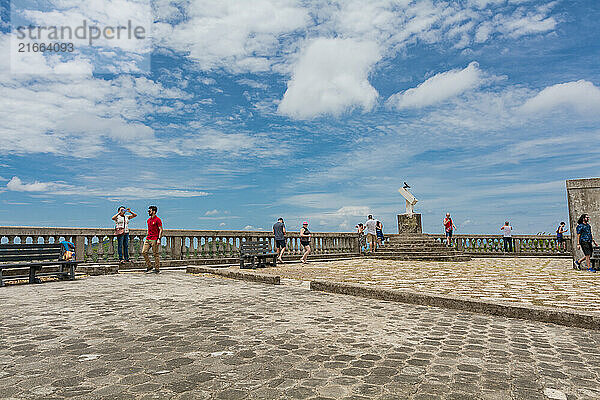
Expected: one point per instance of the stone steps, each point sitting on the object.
(420, 257)
(418, 248)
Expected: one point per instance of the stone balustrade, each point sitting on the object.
(100, 245)
(493, 245)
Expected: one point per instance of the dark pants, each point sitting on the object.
(123, 246)
(508, 244)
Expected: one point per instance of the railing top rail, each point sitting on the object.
(35, 230)
(493, 235)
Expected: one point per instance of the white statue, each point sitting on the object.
(410, 199)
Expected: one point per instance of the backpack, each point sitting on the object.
(67, 250)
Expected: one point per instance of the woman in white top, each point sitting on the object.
(122, 232)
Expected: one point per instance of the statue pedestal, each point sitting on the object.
(410, 224)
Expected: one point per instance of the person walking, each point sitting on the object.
(507, 236)
(585, 240)
(379, 233)
(362, 240)
(305, 241)
(560, 238)
(155, 232)
(371, 227)
(448, 228)
(279, 233)
(122, 232)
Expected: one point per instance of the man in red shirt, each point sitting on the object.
(155, 232)
(448, 228)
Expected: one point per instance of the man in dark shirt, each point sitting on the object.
(279, 232)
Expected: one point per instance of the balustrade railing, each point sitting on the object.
(522, 244)
(100, 245)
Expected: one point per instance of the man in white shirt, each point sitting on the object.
(507, 232)
(371, 228)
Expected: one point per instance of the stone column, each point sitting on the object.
(583, 196)
(410, 224)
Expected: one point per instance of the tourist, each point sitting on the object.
(507, 237)
(305, 241)
(560, 238)
(155, 232)
(279, 233)
(122, 232)
(371, 227)
(379, 233)
(448, 229)
(584, 242)
(362, 240)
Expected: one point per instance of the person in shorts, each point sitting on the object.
(279, 233)
(305, 241)
(448, 228)
(585, 241)
(371, 228)
(560, 237)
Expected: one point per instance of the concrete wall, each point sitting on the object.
(583, 196)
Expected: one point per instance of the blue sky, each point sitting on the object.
(310, 110)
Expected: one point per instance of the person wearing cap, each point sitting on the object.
(279, 233)
(305, 241)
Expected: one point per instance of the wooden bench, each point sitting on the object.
(257, 253)
(32, 260)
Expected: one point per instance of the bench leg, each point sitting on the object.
(1, 280)
(32, 278)
(72, 272)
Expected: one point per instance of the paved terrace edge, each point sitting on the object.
(527, 312)
(244, 276)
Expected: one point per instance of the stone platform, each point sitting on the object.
(531, 281)
(180, 336)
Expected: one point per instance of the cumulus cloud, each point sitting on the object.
(353, 211)
(581, 96)
(330, 77)
(233, 35)
(439, 88)
(212, 212)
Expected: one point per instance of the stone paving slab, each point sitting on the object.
(550, 282)
(179, 336)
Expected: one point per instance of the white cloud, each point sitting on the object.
(248, 228)
(212, 212)
(439, 88)
(353, 211)
(330, 77)
(252, 83)
(16, 185)
(581, 96)
(222, 224)
(237, 36)
(122, 193)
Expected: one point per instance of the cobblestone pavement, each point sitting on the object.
(175, 335)
(538, 281)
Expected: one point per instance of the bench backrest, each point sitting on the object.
(596, 252)
(255, 247)
(30, 252)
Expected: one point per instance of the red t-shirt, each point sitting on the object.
(154, 224)
(448, 225)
